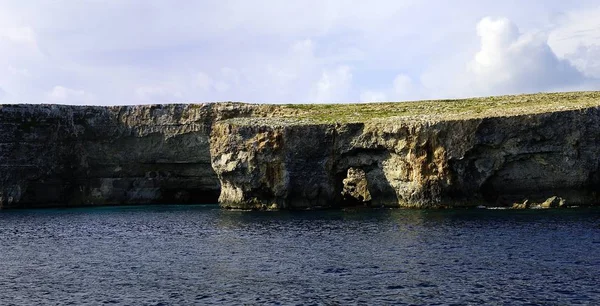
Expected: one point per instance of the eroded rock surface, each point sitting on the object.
(253, 156)
(437, 163)
(356, 187)
(53, 155)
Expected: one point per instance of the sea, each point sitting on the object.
(203, 255)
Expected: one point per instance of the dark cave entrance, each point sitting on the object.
(488, 192)
(190, 196)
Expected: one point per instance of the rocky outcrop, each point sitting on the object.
(250, 156)
(551, 202)
(356, 187)
(410, 163)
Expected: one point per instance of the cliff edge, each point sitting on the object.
(498, 151)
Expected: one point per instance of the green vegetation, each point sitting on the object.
(441, 109)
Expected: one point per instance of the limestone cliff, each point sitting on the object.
(435, 160)
(499, 151)
(53, 155)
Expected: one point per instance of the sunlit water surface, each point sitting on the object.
(163, 255)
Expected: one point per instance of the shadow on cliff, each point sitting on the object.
(523, 158)
(86, 155)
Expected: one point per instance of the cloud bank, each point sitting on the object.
(116, 52)
(507, 62)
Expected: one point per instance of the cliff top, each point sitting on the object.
(299, 114)
(431, 110)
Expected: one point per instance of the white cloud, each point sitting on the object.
(507, 62)
(586, 59)
(296, 74)
(333, 85)
(229, 78)
(22, 35)
(221, 86)
(290, 73)
(203, 81)
(19, 72)
(64, 95)
(201, 51)
(157, 94)
(373, 96)
(404, 87)
(232, 75)
(18, 52)
(18, 45)
(575, 28)
(576, 38)
(512, 62)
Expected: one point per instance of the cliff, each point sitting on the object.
(54, 155)
(493, 151)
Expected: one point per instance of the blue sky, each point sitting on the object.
(143, 51)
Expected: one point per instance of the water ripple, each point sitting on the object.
(172, 255)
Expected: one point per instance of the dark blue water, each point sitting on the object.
(161, 255)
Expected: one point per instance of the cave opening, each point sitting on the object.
(189, 196)
(489, 192)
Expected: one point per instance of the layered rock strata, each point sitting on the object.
(504, 151)
(440, 163)
(52, 155)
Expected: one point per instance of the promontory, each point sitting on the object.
(537, 150)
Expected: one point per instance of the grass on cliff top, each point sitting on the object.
(443, 109)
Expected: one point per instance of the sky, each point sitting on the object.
(116, 52)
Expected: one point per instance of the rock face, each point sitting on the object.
(54, 155)
(252, 156)
(497, 160)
